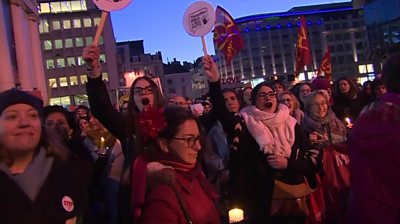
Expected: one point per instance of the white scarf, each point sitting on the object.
(274, 132)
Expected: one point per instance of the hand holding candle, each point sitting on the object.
(348, 122)
(236, 215)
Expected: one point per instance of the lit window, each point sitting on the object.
(77, 23)
(65, 101)
(102, 58)
(52, 83)
(76, 6)
(84, 79)
(105, 76)
(50, 64)
(87, 22)
(370, 68)
(80, 61)
(362, 69)
(43, 26)
(67, 24)
(101, 40)
(73, 80)
(68, 43)
(71, 61)
(55, 101)
(56, 25)
(60, 63)
(83, 5)
(89, 40)
(63, 82)
(47, 45)
(44, 7)
(55, 7)
(58, 44)
(96, 21)
(66, 6)
(78, 42)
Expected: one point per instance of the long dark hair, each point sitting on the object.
(133, 109)
(352, 92)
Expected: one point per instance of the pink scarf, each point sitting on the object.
(274, 132)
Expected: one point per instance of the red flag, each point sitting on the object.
(325, 66)
(303, 52)
(227, 36)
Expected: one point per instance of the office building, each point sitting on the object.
(270, 43)
(66, 27)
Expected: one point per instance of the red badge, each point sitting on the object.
(67, 204)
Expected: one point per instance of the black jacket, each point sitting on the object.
(251, 177)
(17, 208)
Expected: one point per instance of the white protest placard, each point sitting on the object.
(198, 20)
(111, 5)
(107, 6)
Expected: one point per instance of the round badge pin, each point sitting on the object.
(67, 203)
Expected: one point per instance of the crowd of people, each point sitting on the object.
(315, 152)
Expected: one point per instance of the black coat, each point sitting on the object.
(251, 177)
(16, 207)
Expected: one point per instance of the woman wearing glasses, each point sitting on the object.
(270, 146)
(291, 101)
(328, 134)
(144, 93)
(177, 191)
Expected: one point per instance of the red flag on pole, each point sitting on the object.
(227, 36)
(303, 52)
(325, 66)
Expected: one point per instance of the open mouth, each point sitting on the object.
(145, 101)
(268, 105)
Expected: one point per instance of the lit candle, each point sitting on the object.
(235, 215)
(102, 140)
(348, 121)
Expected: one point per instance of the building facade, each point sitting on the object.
(382, 18)
(133, 62)
(177, 80)
(66, 27)
(20, 52)
(270, 43)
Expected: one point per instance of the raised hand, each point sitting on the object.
(91, 55)
(210, 68)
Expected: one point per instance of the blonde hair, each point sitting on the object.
(296, 103)
(310, 98)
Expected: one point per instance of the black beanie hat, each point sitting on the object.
(15, 96)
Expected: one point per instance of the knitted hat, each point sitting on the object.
(320, 83)
(15, 96)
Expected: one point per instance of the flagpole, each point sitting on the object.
(203, 42)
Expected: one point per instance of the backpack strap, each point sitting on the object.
(180, 201)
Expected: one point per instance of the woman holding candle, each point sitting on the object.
(35, 183)
(347, 100)
(270, 147)
(328, 134)
(177, 191)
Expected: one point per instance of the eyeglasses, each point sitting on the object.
(286, 100)
(265, 95)
(143, 91)
(322, 104)
(191, 141)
